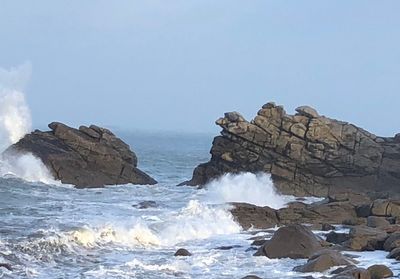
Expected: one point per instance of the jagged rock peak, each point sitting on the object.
(305, 153)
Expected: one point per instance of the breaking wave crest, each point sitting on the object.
(250, 188)
(204, 216)
(15, 122)
(195, 221)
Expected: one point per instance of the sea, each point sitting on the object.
(50, 230)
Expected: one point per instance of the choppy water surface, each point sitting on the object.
(53, 231)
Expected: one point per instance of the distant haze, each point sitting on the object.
(179, 65)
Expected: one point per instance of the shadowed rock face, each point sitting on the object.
(88, 157)
(306, 154)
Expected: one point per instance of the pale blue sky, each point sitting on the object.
(178, 65)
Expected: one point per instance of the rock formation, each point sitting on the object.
(88, 157)
(305, 153)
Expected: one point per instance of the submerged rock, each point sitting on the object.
(145, 204)
(307, 154)
(88, 157)
(6, 266)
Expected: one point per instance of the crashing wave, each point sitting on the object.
(15, 122)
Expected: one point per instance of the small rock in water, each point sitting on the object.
(394, 254)
(379, 271)
(324, 260)
(145, 204)
(251, 249)
(251, 277)
(351, 272)
(228, 247)
(182, 252)
(327, 227)
(259, 242)
(6, 266)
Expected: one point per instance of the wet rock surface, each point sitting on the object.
(85, 157)
(306, 153)
(293, 241)
(252, 216)
(324, 260)
(320, 215)
(379, 271)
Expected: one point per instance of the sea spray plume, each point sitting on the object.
(15, 117)
(251, 188)
(27, 167)
(15, 122)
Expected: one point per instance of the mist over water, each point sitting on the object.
(15, 116)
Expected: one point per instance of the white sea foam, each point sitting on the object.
(251, 188)
(198, 221)
(195, 221)
(204, 216)
(15, 122)
(175, 266)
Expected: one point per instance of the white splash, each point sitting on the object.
(15, 122)
(205, 216)
(257, 189)
(195, 221)
(27, 167)
(15, 116)
(198, 221)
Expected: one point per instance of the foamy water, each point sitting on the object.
(48, 230)
(250, 188)
(15, 122)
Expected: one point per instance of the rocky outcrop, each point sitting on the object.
(85, 157)
(306, 153)
(316, 214)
